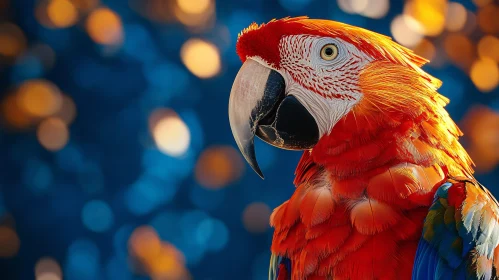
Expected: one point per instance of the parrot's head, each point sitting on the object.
(301, 76)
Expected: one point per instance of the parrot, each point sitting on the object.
(383, 189)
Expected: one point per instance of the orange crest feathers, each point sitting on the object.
(391, 89)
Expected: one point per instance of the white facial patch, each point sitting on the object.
(328, 89)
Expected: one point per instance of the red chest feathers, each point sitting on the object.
(355, 229)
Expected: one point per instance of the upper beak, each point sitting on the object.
(258, 105)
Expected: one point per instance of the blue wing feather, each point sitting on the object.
(450, 245)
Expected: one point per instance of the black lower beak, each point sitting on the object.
(258, 105)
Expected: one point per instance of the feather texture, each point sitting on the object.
(460, 235)
(365, 190)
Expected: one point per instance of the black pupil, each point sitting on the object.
(328, 51)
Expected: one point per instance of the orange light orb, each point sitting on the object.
(9, 242)
(12, 41)
(170, 133)
(201, 58)
(256, 217)
(39, 98)
(485, 74)
(14, 115)
(104, 26)
(61, 13)
(144, 243)
(53, 134)
(48, 269)
(218, 167)
(489, 47)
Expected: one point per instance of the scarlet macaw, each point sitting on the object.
(384, 190)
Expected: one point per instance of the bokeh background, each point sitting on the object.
(117, 159)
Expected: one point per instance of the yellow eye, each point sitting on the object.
(329, 52)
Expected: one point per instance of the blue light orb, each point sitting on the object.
(26, 67)
(120, 241)
(37, 176)
(294, 5)
(117, 268)
(70, 158)
(82, 261)
(193, 251)
(87, 73)
(213, 234)
(159, 165)
(170, 79)
(149, 192)
(97, 216)
(190, 222)
(58, 39)
(166, 225)
(137, 40)
(206, 199)
(91, 178)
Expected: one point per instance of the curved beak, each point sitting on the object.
(258, 105)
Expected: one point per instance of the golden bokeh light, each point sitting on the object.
(256, 217)
(459, 49)
(67, 111)
(218, 166)
(9, 242)
(170, 133)
(406, 30)
(487, 18)
(485, 74)
(14, 115)
(426, 49)
(159, 259)
(429, 13)
(481, 130)
(369, 8)
(198, 15)
(489, 47)
(12, 40)
(470, 25)
(376, 8)
(455, 18)
(194, 7)
(346, 6)
(48, 269)
(201, 58)
(144, 243)
(62, 13)
(169, 264)
(104, 26)
(53, 134)
(359, 6)
(39, 98)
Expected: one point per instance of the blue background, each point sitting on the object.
(80, 204)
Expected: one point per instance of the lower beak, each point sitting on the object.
(258, 105)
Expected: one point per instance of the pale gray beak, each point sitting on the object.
(258, 105)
